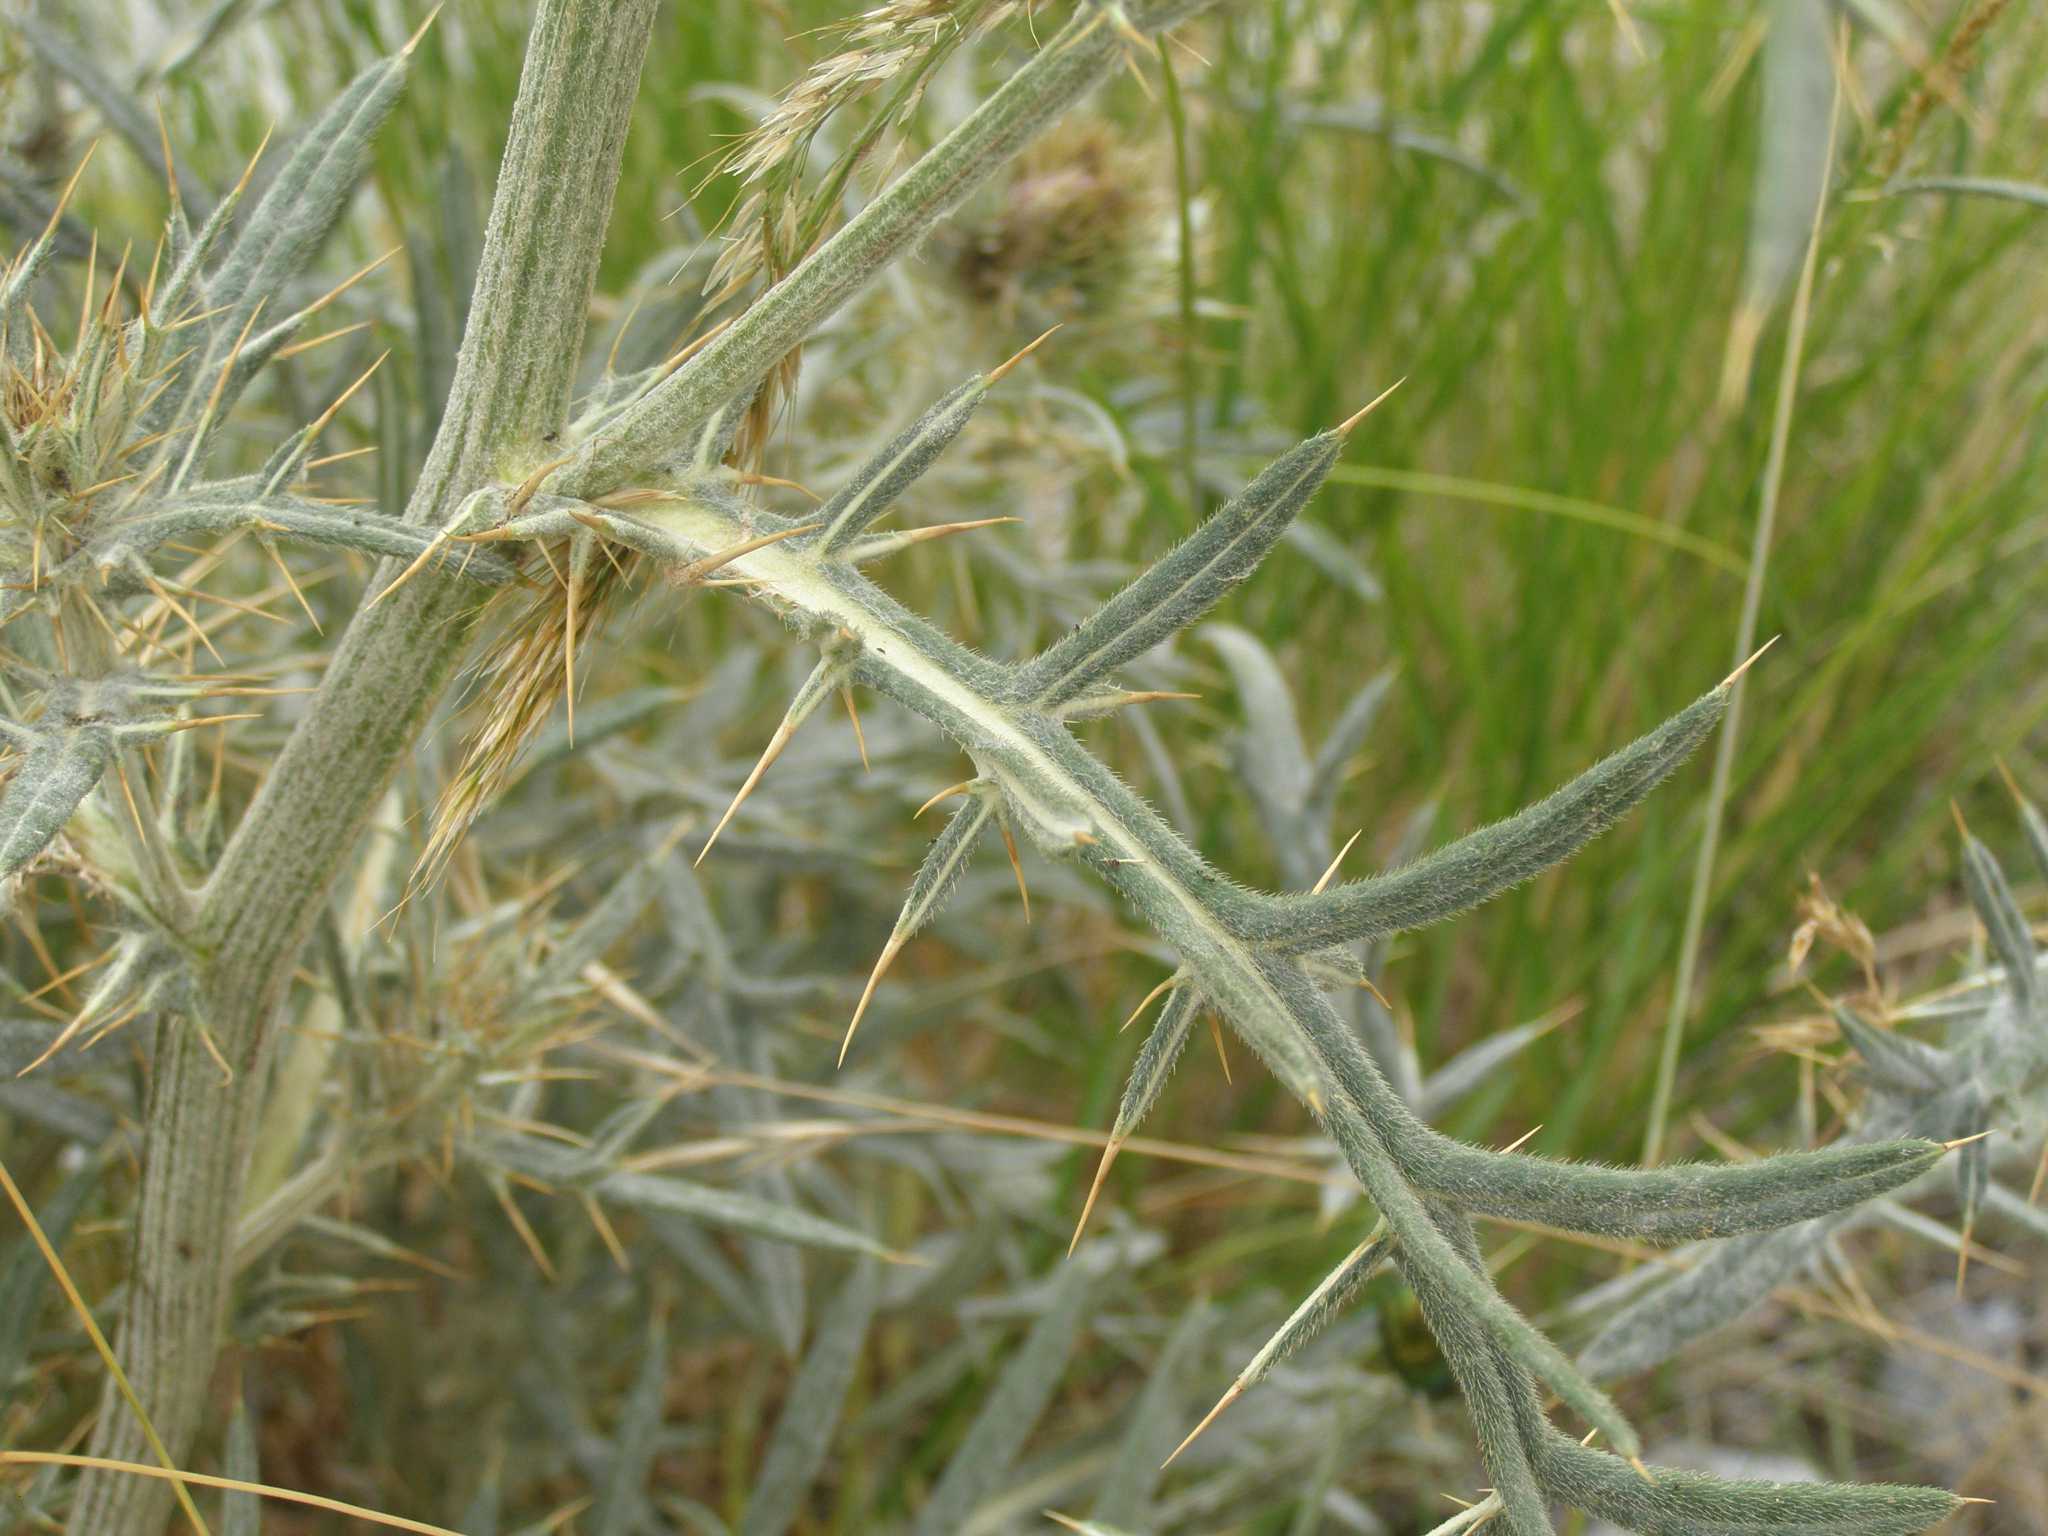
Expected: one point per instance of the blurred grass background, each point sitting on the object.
(1541, 217)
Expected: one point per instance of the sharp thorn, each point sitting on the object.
(1736, 676)
(1344, 427)
(1964, 1141)
(1150, 998)
(1216, 1034)
(419, 32)
(433, 546)
(1511, 1146)
(773, 750)
(698, 569)
(995, 374)
(860, 739)
(1330, 873)
(1016, 866)
(945, 794)
(867, 994)
(531, 485)
(1236, 1391)
(1109, 1153)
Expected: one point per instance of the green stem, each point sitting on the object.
(511, 394)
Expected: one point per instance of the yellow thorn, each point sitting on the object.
(163, 596)
(1016, 866)
(1109, 1153)
(569, 647)
(1344, 427)
(995, 375)
(1216, 1034)
(606, 1234)
(434, 545)
(202, 721)
(298, 347)
(345, 396)
(2012, 784)
(1964, 1141)
(1734, 677)
(1150, 997)
(943, 530)
(248, 171)
(64, 197)
(414, 41)
(531, 484)
(1642, 1471)
(64, 1037)
(776, 480)
(1236, 1391)
(1523, 1137)
(1317, 888)
(343, 286)
(524, 1229)
(773, 750)
(868, 992)
(860, 739)
(1378, 996)
(163, 138)
(227, 1073)
(945, 794)
(696, 570)
(1962, 827)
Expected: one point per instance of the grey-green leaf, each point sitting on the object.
(1022, 1392)
(50, 782)
(1186, 582)
(810, 1413)
(622, 1497)
(877, 484)
(735, 1212)
(1481, 865)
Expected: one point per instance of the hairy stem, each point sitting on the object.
(511, 392)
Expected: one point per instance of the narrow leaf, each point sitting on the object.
(47, 785)
(810, 1415)
(1021, 1394)
(1188, 581)
(736, 1212)
(632, 1442)
(241, 1514)
(1494, 859)
(2002, 919)
(877, 484)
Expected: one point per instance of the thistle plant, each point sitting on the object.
(107, 476)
